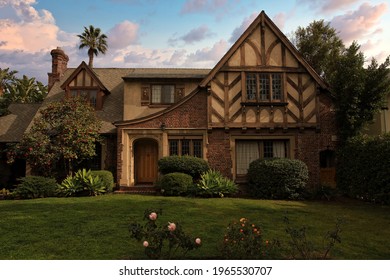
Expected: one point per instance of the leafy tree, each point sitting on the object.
(64, 134)
(320, 46)
(94, 40)
(360, 90)
(27, 90)
(7, 77)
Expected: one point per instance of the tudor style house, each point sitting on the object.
(261, 100)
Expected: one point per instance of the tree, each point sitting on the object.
(92, 39)
(360, 90)
(6, 79)
(63, 135)
(27, 90)
(320, 46)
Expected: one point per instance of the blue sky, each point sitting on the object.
(186, 33)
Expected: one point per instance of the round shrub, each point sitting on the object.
(184, 164)
(107, 178)
(277, 178)
(174, 184)
(35, 187)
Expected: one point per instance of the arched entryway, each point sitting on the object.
(145, 161)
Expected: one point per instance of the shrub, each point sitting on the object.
(184, 164)
(174, 184)
(35, 187)
(278, 178)
(243, 240)
(363, 168)
(83, 183)
(213, 183)
(154, 237)
(107, 178)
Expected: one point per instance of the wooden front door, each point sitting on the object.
(145, 158)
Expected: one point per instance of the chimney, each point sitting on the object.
(59, 64)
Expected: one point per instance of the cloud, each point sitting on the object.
(207, 57)
(195, 6)
(241, 29)
(122, 35)
(280, 20)
(194, 35)
(329, 5)
(359, 24)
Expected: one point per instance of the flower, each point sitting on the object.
(243, 220)
(198, 241)
(171, 226)
(146, 244)
(153, 216)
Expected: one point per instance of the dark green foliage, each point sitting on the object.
(364, 167)
(107, 178)
(35, 187)
(277, 178)
(185, 164)
(214, 184)
(174, 184)
(83, 183)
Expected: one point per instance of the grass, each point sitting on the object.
(96, 228)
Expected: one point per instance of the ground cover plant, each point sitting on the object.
(98, 227)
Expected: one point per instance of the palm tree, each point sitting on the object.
(27, 90)
(95, 41)
(6, 78)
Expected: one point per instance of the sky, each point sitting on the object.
(171, 33)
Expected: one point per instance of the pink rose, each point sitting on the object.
(171, 226)
(153, 216)
(146, 244)
(198, 241)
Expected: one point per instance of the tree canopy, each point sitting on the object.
(64, 134)
(360, 90)
(94, 41)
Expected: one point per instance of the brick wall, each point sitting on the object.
(218, 152)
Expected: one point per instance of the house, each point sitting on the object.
(261, 100)
(381, 121)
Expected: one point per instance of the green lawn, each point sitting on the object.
(97, 227)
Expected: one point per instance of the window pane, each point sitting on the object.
(168, 93)
(92, 97)
(277, 86)
(264, 87)
(185, 147)
(197, 148)
(251, 86)
(268, 149)
(173, 147)
(156, 94)
(279, 149)
(246, 152)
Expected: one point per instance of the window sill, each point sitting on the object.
(264, 103)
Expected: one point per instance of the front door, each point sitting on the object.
(145, 158)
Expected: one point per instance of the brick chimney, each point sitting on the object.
(59, 64)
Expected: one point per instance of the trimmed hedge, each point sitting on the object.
(107, 178)
(278, 178)
(183, 164)
(363, 169)
(175, 184)
(35, 187)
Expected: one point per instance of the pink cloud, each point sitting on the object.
(195, 35)
(195, 6)
(280, 20)
(358, 24)
(329, 5)
(241, 29)
(207, 56)
(123, 35)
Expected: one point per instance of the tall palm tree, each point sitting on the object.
(94, 40)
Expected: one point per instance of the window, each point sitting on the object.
(90, 94)
(182, 147)
(163, 94)
(264, 87)
(250, 150)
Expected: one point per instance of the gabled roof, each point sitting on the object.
(262, 19)
(166, 73)
(13, 125)
(83, 66)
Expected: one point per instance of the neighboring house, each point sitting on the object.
(261, 100)
(381, 121)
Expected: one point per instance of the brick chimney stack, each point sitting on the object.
(59, 64)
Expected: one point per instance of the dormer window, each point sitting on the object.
(264, 87)
(89, 94)
(163, 94)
